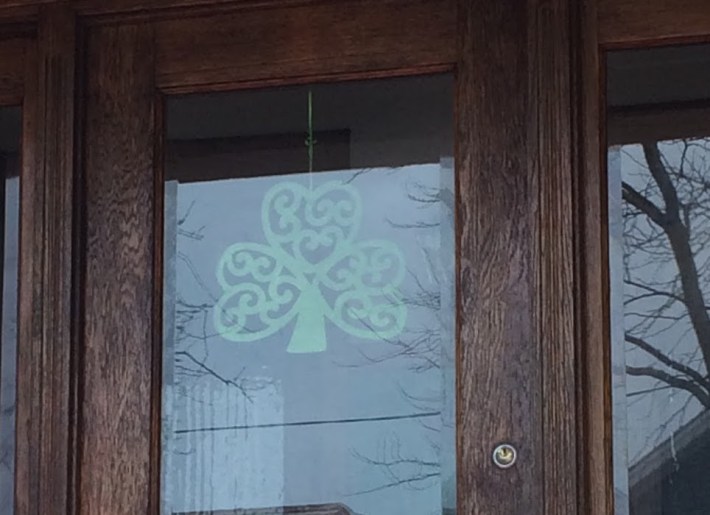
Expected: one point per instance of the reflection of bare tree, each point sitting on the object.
(401, 469)
(427, 348)
(666, 213)
(193, 371)
(424, 348)
(192, 320)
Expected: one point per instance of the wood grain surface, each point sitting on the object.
(498, 376)
(592, 292)
(621, 22)
(309, 41)
(14, 54)
(45, 351)
(637, 23)
(115, 450)
(554, 38)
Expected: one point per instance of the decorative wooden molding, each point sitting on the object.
(45, 340)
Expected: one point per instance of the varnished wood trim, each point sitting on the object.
(550, 162)
(45, 342)
(631, 23)
(138, 10)
(307, 41)
(498, 355)
(621, 22)
(118, 279)
(516, 165)
(592, 292)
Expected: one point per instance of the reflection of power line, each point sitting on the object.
(311, 423)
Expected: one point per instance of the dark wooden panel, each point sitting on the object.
(591, 258)
(7, 4)
(13, 65)
(499, 380)
(305, 41)
(115, 455)
(658, 123)
(637, 22)
(45, 317)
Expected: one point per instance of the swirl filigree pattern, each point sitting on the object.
(311, 255)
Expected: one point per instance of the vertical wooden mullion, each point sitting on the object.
(499, 379)
(517, 321)
(118, 280)
(44, 414)
(551, 47)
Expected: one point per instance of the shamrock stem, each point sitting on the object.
(309, 332)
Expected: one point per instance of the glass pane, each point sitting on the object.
(9, 193)
(309, 304)
(659, 234)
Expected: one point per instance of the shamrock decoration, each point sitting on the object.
(311, 269)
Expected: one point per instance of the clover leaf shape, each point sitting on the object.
(311, 269)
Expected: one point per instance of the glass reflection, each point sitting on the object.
(309, 316)
(659, 187)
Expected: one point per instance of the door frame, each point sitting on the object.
(541, 119)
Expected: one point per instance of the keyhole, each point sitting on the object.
(504, 456)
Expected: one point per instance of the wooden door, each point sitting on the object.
(156, 88)
(533, 338)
